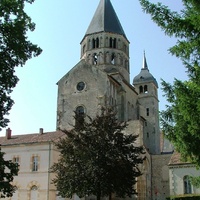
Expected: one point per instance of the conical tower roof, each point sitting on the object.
(105, 20)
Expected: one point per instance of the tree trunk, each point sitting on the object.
(99, 192)
(110, 196)
(99, 196)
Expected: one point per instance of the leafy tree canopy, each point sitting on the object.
(8, 170)
(15, 49)
(97, 158)
(180, 121)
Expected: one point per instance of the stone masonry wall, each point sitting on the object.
(160, 176)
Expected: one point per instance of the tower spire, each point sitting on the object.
(144, 65)
(105, 20)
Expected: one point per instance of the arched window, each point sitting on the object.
(145, 89)
(80, 110)
(97, 43)
(34, 193)
(95, 57)
(125, 48)
(84, 48)
(141, 89)
(147, 111)
(93, 43)
(187, 185)
(113, 58)
(114, 43)
(110, 42)
(80, 114)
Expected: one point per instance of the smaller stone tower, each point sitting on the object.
(147, 88)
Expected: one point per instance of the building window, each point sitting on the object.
(16, 159)
(113, 58)
(141, 89)
(95, 58)
(35, 163)
(95, 43)
(145, 89)
(147, 111)
(80, 86)
(113, 43)
(34, 193)
(80, 110)
(84, 48)
(187, 185)
(80, 114)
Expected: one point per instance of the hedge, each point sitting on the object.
(185, 197)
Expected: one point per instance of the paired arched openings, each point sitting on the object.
(113, 43)
(143, 89)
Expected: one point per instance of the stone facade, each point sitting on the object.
(101, 78)
(160, 176)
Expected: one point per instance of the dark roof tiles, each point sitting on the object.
(105, 20)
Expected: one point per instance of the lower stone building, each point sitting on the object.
(179, 176)
(35, 154)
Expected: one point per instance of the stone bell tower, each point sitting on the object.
(147, 88)
(102, 74)
(105, 43)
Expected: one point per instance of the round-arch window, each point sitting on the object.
(80, 86)
(34, 188)
(80, 110)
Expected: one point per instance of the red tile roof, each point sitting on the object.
(176, 159)
(31, 138)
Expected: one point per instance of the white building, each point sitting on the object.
(179, 176)
(35, 154)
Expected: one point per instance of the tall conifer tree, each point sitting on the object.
(181, 119)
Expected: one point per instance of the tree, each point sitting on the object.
(97, 158)
(8, 169)
(180, 121)
(15, 49)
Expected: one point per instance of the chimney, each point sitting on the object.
(8, 133)
(41, 131)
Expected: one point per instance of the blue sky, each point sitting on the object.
(60, 26)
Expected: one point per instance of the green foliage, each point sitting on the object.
(15, 49)
(180, 121)
(97, 158)
(184, 197)
(195, 181)
(8, 169)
